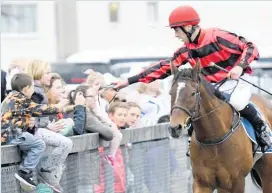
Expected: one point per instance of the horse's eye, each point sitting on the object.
(194, 93)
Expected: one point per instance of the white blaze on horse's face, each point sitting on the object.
(181, 85)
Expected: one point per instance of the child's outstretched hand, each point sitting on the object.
(55, 126)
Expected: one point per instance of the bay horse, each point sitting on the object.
(221, 152)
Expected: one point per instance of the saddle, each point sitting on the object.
(256, 119)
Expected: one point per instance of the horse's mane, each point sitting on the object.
(196, 76)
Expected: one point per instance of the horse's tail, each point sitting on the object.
(256, 178)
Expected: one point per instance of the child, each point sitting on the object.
(117, 114)
(18, 128)
(134, 113)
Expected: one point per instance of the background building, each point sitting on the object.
(52, 30)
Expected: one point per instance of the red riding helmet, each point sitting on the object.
(182, 16)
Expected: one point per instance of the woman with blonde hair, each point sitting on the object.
(95, 81)
(49, 131)
(152, 89)
(41, 73)
(152, 102)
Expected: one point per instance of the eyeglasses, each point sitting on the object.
(108, 87)
(89, 96)
(116, 99)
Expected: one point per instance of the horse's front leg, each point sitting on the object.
(239, 185)
(199, 188)
(222, 191)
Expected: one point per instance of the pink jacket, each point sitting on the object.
(119, 173)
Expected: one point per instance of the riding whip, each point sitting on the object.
(219, 67)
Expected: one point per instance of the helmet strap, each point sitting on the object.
(190, 33)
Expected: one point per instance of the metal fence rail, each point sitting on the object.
(153, 164)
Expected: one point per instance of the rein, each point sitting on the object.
(234, 127)
(193, 114)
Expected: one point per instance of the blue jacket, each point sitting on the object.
(3, 85)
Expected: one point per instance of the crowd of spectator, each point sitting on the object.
(39, 111)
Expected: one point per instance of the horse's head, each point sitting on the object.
(185, 98)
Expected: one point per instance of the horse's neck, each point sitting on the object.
(215, 124)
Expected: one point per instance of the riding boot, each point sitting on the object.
(263, 136)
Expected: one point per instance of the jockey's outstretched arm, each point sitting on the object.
(162, 69)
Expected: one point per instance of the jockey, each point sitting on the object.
(211, 46)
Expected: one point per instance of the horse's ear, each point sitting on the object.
(197, 69)
(174, 69)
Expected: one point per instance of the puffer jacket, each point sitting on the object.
(87, 122)
(39, 96)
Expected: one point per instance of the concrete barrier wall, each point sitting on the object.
(154, 163)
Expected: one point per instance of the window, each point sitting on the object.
(114, 11)
(18, 18)
(152, 12)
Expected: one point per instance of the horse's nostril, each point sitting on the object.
(175, 131)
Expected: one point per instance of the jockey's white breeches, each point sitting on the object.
(240, 94)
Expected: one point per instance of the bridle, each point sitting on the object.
(193, 114)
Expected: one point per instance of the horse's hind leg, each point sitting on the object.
(263, 166)
(199, 188)
(267, 183)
